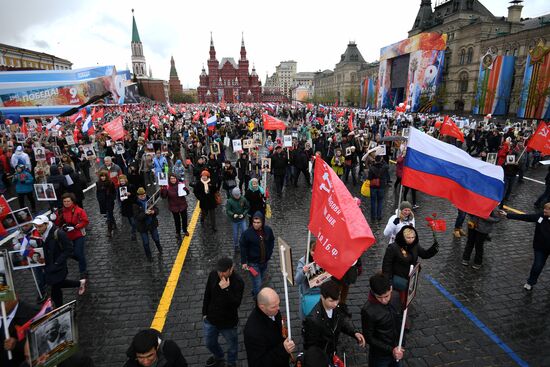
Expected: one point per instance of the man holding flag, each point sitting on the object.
(19, 313)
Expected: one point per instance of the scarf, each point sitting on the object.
(205, 184)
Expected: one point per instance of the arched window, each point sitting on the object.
(463, 82)
(462, 56)
(470, 56)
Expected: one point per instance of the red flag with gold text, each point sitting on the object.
(342, 231)
(272, 123)
(115, 129)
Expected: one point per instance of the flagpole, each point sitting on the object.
(521, 155)
(285, 274)
(308, 246)
(36, 282)
(404, 319)
(5, 325)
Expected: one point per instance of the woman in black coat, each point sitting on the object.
(126, 204)
(401, 254)
(256, 198)
(205, 191)
(106, 195)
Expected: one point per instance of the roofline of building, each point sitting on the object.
(34, 52)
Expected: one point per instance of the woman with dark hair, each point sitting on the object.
(106, 195)
(176, 204)
(229, 174)
(127, 201)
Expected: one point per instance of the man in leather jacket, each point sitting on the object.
(381, 321)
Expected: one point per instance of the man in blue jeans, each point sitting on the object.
(221, 301)
(257, 244)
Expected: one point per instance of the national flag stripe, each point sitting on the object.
(436, 185)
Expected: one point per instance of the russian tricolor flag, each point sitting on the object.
(443, 170)
(211, 122)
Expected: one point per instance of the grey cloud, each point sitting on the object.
(41, 44)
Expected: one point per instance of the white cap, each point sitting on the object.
(41, 219)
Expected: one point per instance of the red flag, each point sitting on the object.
(5, 208)
(21, 330)
(24, 129)
(338, 223)
(147, 132)
(155, 121)
(197, 116)
(449, 128)
(172, 110)
(437, 124)
(321, 121)
(272, 123)
(541, 139)
(97, 114)
(310, 106)
(350, 121)
(79, 116)
(115, 128)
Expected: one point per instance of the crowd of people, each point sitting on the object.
(176, 154)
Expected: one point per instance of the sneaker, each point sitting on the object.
(416, 206)
(527, 286)
(465, 262)
(476, 266)
(456, 233)
(211, 362)
(82, 288)
(186, 234)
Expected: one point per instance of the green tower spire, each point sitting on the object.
(135, 34)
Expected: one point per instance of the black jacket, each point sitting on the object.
(279, 162)
(397, 263)
(24, 313)
(142, 222)
(250, 245)
(56, 252)
(169, 355)
(541, 240)
(381, 324)
(263, 340)
(322, 331)
(220, 306)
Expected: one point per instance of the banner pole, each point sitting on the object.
(36, 282)
(5, 325)
(521, 155)
(282, 253)
(308, 246)
(404, 318)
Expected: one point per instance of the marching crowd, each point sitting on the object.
(177, 154)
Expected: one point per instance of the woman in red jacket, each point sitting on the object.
(177, 204)
(73, 220)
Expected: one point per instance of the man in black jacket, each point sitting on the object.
(222, 298)
(148, 349)
(323, 325)
(18, 313)
(263, 336)
(381, 320)
(257, 244)
(279, 162)
(57, 249)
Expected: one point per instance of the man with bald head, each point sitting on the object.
(263, 337)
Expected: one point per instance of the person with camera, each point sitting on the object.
(74, 220)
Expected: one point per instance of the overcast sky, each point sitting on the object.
(313, 33)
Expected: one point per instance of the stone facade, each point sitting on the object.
(229, 81)
(472, 30)
(16, 58)
(342, 85)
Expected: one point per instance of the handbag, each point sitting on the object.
(218, 198)
(268, 211)
(375, 183)
(231, 183)
(365, 189)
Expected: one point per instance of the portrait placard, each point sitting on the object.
(237, 145)
(413, 284)
(248, 143)
(45, 192)
(7, 291)
(492, 158)
(287, 141)
(54, 337)
(287, 260)
(266, 164)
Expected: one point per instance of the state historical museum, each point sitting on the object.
(228, 81)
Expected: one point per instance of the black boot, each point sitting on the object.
(159, 247)
(109, 229)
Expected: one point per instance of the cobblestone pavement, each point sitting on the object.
(125, 289)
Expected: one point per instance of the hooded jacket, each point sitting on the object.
(250, 243)
(381, 324)
(400, 256)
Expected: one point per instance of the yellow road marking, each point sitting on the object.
(513, 210)
(170, 288)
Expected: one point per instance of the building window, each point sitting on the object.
(470, 56)
(462, 56)
(463, 82)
